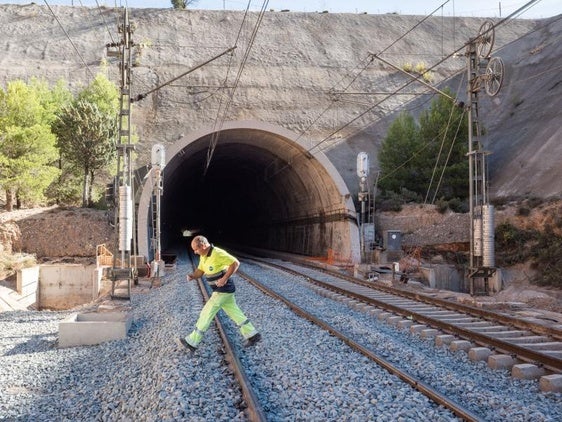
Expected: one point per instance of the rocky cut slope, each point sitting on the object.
(295, 72)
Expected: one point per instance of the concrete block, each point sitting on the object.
(359, 306)
(365, 307)
(444, 339)
(405, 324)
(27, 280)
(375, 311)
(393, 320)
(527, 371)
(93, 328)
(479, 353)
(429, 333)
(501, 361)
(417, 328)
(384, 315)
(457, 345)
(551, 383)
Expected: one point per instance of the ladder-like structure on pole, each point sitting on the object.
(482, 259)
(124, 271)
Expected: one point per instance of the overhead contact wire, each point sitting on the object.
(443, 144)
(70, 40)
(518, 11)
(216, 132)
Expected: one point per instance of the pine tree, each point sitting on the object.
(28, 152)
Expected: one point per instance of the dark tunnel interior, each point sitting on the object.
(226, 201)
(251, 187)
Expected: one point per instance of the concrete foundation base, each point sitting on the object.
(444, 340)
(93, 328)
(460, 345)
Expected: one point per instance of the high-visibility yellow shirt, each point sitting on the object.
(214, 265)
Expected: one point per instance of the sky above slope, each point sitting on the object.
(479, 8)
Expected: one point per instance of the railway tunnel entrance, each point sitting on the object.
(257, 187)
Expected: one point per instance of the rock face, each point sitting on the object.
(56, 232)
(294, 74)
(10, 237)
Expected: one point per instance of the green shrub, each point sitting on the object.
(541, 249)
(458, 205)
(442, 206)
(420, 68)
(534, 202)
(546, 259)
(427, 77)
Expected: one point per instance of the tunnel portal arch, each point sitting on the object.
(262, 188)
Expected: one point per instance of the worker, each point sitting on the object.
(218, 266)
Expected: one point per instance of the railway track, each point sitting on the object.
(510, 340)
(459, 410)
(252, 406)
(256, 392)
(298, 371)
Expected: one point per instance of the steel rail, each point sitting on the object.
(478, 312)
(254, 410)
(416, 383)
(549, 362)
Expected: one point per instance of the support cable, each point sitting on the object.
(103, 19)
(442, 145)
(216, 131)
(69, 39)
(390, 95)
(448, 157)
(144, 95)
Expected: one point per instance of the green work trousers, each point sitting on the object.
(227, 303)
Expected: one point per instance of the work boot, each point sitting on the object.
(253, 340)
(183, 342)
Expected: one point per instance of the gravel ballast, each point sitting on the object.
(299, 371)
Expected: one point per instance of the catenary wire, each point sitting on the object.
(70, 40)
(448, 157)
(331, 134)
(462, 72)
(216, 132)
(369, 60)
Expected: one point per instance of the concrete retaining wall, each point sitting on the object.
(27, 280)
(62, 286)
(443, 277)
(447, 277)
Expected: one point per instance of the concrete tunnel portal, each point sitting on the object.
(261, 188)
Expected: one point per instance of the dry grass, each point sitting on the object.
(11, 263)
